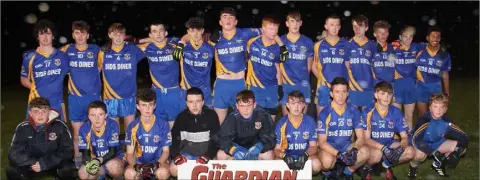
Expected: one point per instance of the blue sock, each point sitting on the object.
(347, 171)
(385, 163)
(327, 173)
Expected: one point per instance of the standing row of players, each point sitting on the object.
(270, 67)
(249, 133)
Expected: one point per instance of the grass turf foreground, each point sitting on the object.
(463, 109)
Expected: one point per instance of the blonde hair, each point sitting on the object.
(439, 98)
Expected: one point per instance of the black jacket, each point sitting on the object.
(193, 134)
(246, 133)
(49, 145)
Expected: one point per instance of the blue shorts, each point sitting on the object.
(303, 88)
(78, 107)
(170, 102)
(389, 143)
(121, 107)
(323, 96)
(361, 98)
(266, 98)
(404, 91)
(436, 145)
(59, 107)
(342, 147)
(426, 90)
(225, 92)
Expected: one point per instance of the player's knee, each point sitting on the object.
(82, 173)
(114, 167)
(409, 153)
(327, 161)
(173, 169)
(419, 155)
(162, 173)
(364, 152)
(130, 173)
(375, 157)
(266, 155)
(316, 165)
(221, 155)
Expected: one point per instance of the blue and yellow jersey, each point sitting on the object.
(430, 66)
(384, 125)
(360, 73)
(339, 124)
(148, 139)
(405, 61)
(384, 64)
(230, 51)
(84, 76)
(196, 65)
(330, 60)
(46, 72)
(164, 70)
(99, 143)
(295, 69)
(262, 56)
(294, 137)
(119, 67)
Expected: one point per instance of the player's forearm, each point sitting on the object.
(184, 39)
(279, 78)
(373, 144)
(309, 64)
(25, 82)
(312, 150)
(131, 160)
(278, 40)
(404, 143)
(359, 142)
(164, 157)
(446, 82)
(324, 146)
(278, 153)
(315, 72)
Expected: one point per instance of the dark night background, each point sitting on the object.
(459, 21)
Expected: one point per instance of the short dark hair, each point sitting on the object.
(382, 24)
(42, 26)
(158, 23)
(245, 96)
(408, 28)
(339, 81)
(228, 10)
(195, 91)
(296, 95)
(294, 15)
(384, 86)
(82, 26)
(332, 16)
(116, 27)
(146, 95)
(434, 29)
(39, 102)
(360, 20)
(195, 23)
(270, 19)
(97, 104)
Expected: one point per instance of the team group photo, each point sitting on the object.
(240, 90)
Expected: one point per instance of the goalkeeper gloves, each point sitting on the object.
(178, 52)
(93, 166)
(283, 53)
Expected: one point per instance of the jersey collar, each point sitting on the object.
(117, 50)
(147, 127)
(432, 53)
(382, 114)
(295, 123)
(338, 111)
(360, 42)
(293, 39)
(102, 129)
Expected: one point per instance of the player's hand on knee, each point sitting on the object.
(290, 161)
(302, 160)
(179, 159)
(238, 154)
(203, 159)
(93, 166)
(348, 157)
(391, 155)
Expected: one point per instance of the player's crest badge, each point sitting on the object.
(94, 143)
(58, 62)
(258, 125)
(271, 56)
(115, 136)
(368, 53)
(169, 136)
(127, 56)
(303, 49)
(439, 63)
(349, 122)
(90, 55)
(390, 124)
(156, 138)
(239, 41)
(205, 55)
(168, 51)
(306, 135)
(319, 125)
(341, 52)
(52, 136)
(341, 123)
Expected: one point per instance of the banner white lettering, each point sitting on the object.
(242, 169)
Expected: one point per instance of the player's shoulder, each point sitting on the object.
(111, 123)
(368, 108)
(306, 39)
(94, 47)
(252, 40)
(28, 54)
(22, 125)
(160, 121)
(65, 47)
(352, 108)
(394, 109)
(133, 123)
(282, 120)
(85, 126)
(325, 111)
(308, 119)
